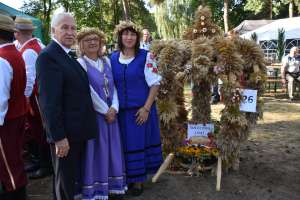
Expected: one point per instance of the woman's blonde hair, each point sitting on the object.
(89, 31)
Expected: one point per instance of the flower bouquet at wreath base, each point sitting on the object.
(198, 157)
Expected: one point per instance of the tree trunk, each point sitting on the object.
(270, 9)
(226, 5)
(291, 8)
(126, 9)
(116, 12)
(46, 18)
(99, 6)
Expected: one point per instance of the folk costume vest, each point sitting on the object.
(34, 45)
(130, 80)
(17, 101)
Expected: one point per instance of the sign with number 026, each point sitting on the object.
(249, 100)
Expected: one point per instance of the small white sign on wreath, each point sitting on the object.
(249, 101)
(199, 130)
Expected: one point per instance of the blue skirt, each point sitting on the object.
(141, 143)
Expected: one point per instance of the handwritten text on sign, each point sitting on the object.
(199, 130)
(249, 101)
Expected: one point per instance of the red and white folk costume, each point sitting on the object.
(12, 117)
(30, 51)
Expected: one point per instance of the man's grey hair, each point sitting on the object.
(294, 49)
(56, 19)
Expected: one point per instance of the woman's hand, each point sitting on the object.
(142, 115)
(111, 115)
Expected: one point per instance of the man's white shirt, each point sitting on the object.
(6, 76)
(291, 64)
(67, 50)
(29, 57)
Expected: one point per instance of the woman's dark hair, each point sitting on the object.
(138, 36)
(6, 36)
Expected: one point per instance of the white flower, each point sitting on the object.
(202, 23)
(213, 30)
(188, 66)
(202, 17)
(195, 30)
(204, 30)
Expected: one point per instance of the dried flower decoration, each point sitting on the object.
(218, 69)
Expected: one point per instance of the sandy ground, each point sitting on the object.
(269, 168)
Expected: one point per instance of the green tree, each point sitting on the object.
(172, 17)
(104, 14)
(260, 6)
(273, 8)
(280, 44)
(126, 9)
(292, 4)
(41, 9)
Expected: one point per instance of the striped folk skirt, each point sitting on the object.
(141, 144)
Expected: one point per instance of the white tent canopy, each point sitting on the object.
(250, 25)
(291, 27)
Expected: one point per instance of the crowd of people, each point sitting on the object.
(88, 117)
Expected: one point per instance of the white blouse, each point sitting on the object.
(29, 56)
(100, 105)
(6, 76)
(151, 73)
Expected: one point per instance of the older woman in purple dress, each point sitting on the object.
(103, 176)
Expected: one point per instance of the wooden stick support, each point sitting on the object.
(219, 173)
(163, 167)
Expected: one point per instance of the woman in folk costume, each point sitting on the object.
(104, 164)
(137, 83)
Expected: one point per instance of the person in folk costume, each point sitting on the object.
(66, 105)
(13, 109)
(104, 170)
(30, 48)
(137, 81)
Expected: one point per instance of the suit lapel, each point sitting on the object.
(65, 59)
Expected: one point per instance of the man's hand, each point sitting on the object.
(29, 106)
(62, 148)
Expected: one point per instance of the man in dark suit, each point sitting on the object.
(66, 105)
